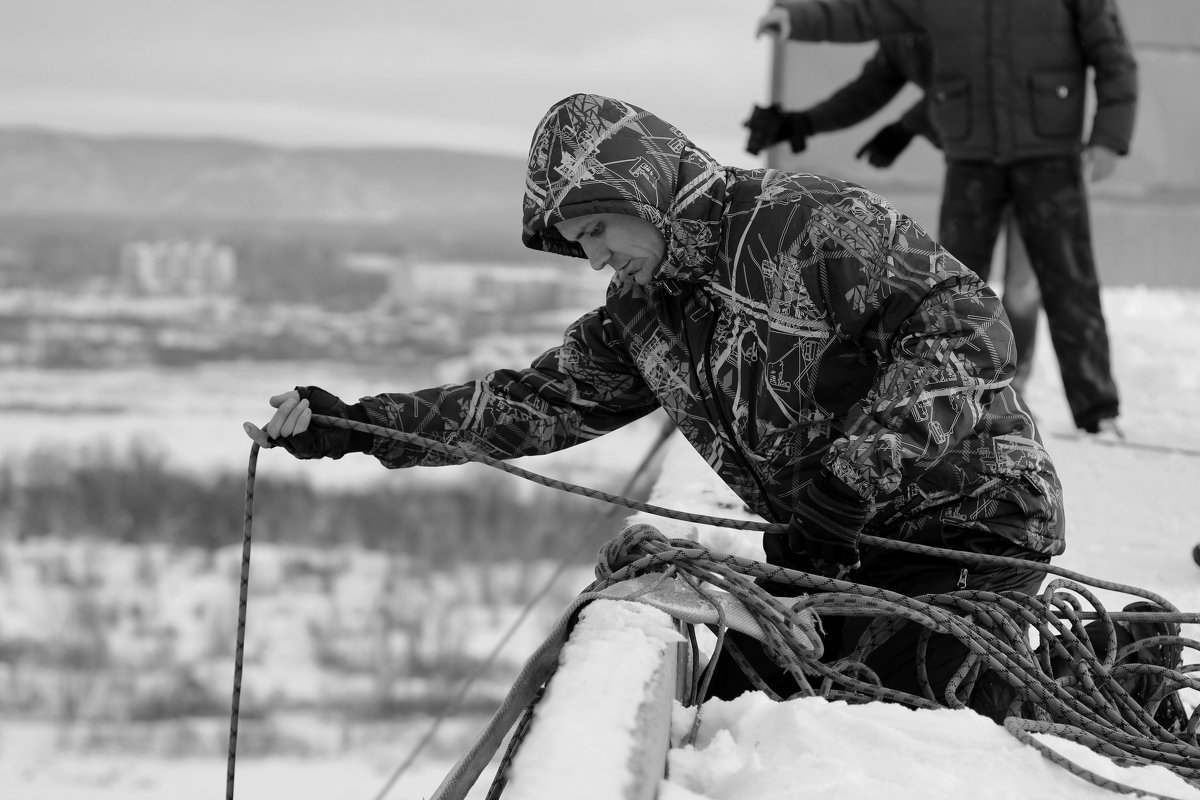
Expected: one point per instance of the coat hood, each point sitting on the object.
(594, 155)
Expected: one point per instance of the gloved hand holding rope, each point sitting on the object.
(290, 427)
(826, 527)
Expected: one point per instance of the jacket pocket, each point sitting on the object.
(950, 110)
(1057, 103)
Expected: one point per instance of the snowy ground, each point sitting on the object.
(1131, 520)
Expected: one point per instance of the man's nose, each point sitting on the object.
(597, 255)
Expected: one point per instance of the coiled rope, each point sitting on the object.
(1090, 706)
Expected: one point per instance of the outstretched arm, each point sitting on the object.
(586, 387)
(875, 86)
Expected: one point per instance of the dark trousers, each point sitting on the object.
(1047, 197)
(894, 661)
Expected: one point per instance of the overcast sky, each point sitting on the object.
(470, 74)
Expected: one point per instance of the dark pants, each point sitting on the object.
(1048, 199)
(894, 661)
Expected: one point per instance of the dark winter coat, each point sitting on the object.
(1009, 76)
(798, 325)
(899, 60)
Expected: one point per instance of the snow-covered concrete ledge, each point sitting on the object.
(603, 727)
(602, 730)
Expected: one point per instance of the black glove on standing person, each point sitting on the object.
(770, 125)
(827, 526)
(765, 124)
(797, 128)
(886, 144)
(327, 441)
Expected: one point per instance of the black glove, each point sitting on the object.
(770, 125)
(327, 441)
(797, 127)
(766, 128)
(885, 145)
(827, 525)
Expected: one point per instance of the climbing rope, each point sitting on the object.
(243, 595)
(1089, 704)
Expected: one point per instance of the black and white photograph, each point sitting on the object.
(629, 401)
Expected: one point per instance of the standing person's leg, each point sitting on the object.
(1022, 300)
(1052, 211)
(973, 197)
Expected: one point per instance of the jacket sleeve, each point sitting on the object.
(847, 21)
(586, 387)
(937, 332)
(876, 85)
(1107, 50)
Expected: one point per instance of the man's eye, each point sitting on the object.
(597, 230)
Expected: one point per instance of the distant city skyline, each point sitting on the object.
(470, 75)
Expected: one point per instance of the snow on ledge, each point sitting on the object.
(602, 730)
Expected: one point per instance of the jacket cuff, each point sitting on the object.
(837, 500)
(360, 441)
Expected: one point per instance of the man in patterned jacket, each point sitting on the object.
(838, 368)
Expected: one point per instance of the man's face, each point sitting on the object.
(630, 245)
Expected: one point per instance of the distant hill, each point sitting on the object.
(455, 205)
(437, 200)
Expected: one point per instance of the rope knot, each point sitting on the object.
(633, 543)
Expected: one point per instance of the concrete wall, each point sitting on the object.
(1146, 217)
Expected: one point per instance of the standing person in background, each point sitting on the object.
(839, 369)
(900, 60)
(1007, 102)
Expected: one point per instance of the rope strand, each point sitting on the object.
(243, 597)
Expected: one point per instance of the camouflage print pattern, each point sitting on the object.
(799, 328)
(1048, 198)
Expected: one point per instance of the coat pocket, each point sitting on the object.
(950, 109)
(1057, 99)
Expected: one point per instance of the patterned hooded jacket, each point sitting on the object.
(797, 327)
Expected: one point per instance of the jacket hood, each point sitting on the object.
(594, 155)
